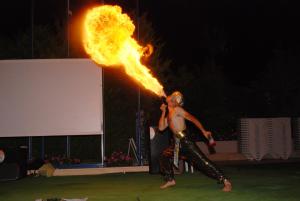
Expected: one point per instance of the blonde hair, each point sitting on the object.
(177, 98)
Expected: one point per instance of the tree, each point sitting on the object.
(49, 42)
(278, 88)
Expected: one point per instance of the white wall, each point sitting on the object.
(50, 97)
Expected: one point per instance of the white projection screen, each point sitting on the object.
(50, 97)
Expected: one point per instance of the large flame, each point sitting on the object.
(108, 40)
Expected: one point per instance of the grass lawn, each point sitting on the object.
(277, 182)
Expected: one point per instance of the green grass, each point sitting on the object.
(250, 183)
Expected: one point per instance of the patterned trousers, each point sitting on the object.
(190, 152)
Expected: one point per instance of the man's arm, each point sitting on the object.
(163, 124)
(197, 123)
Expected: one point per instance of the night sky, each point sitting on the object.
(252, 29)
(254, 45)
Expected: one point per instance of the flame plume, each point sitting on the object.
(109, 42)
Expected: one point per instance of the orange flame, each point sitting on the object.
(108, 40)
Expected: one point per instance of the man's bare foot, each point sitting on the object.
(168, 184)
(227, 186)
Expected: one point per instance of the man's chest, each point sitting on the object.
(173, 116)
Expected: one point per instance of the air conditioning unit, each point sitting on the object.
(265, 138)
(296, 133)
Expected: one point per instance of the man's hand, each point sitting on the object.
(211, 141)
(163, 107)
(207, 134)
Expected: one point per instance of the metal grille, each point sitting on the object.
(296, 133)
(266, 137)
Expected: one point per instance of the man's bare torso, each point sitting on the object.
(176, 119)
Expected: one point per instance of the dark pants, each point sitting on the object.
(190, 152)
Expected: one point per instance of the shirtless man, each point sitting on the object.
(183, 146)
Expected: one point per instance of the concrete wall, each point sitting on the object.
(221, 147)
